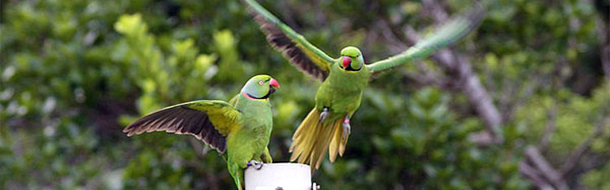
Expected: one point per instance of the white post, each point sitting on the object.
(279, 176)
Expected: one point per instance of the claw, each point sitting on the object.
(346, 128)
(324, 115)
(256, 164)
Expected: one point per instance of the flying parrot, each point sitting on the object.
(327, 126)
(240, 128)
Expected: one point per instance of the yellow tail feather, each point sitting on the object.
(334, 144)
(312, 139)
(321, 145)
(303, 138)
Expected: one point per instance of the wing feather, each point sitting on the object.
(208, 121)
(293, 46)
(449, 33)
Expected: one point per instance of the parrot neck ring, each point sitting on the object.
(251, 97)
(272, 85)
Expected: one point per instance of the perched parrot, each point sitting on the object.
(327, 126)
(241, 128)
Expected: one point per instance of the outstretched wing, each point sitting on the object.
(452, 31)
(295, 47)
(208, 120)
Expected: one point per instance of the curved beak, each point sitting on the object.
(274, 83)
(346, 61)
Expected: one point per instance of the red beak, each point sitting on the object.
(346, 61)
(273, 82)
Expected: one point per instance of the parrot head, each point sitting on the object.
(351, 59)
(260, 87)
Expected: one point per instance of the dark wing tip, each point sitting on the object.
(282, 43)
(126, 130)
(180, 120)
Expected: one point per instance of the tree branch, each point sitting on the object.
(583, 148)
(550, 126)
(435, 10)
(539, 164)
(465, 79)
(557, 79)
(534, 176)
(604, 35)
(429, 77)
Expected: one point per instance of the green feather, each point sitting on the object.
(449, 33)
(342, 86)
(240, 128)
(295, 47)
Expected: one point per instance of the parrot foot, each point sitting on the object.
(256, 164)
(324, 115)
(346, 128)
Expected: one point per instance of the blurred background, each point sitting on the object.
(522, 103)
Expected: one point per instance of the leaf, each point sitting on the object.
(131, 25)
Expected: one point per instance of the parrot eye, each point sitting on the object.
(261, 82)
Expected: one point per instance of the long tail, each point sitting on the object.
(312, 139)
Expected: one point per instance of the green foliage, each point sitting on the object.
(576, 118)
(426, 145)
(73, 73)
(162, 76)
(597, 179)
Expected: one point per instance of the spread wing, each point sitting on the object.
(295, 47)
(452, 31)
(208, 120)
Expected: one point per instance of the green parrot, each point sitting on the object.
(327, 126)
(241, 128)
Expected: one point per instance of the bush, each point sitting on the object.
(73, 73)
